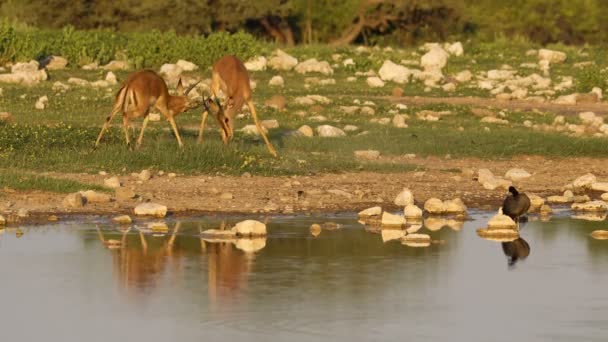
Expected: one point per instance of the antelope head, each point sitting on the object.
(181, 102)
(213, 105)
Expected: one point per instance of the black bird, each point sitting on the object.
(515, 250)
(515, 205)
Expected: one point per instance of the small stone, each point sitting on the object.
(584, 182)
(42, 102)
(226, 196)
(367, 154)
(74, 200)
(151, 209)
(434, 206)
(145, 175)
(369, 212)
(276, 81)
(517, 174)
(404, 198)
(95, 197)
(500, 221)
(600, 234)
(455, 206)
(392, 234)
(306, 131)
(51, 218)
(375, 82)
(391, 220)
(250, 228)
(124, 194)
(327, 131)
(122, 219)
(315, 229)
(545, 209)
(412, 211)
(112, 182)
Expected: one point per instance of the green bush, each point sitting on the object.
(144, 50)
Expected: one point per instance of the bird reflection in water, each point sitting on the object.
(515, 250)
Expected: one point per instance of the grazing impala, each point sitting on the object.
(141, 91)
(230, 76)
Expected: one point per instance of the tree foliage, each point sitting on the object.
(336, 21)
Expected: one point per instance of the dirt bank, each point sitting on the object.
(437, 177)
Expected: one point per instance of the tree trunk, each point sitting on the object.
(273, 31)
(350, 34)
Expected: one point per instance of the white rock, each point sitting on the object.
(455, 49)
(58, 86)
(306, 131)
(375, 82)
(276, 81)
(144, 175)
(116, 65)
(449, 87)
(598, 92)
(91, 66)
(434, 206)
(348, 62)
(282, 61)
(270, 124)
(151, 209)
(411, 211)
(464, 76)
(42, 102)
(57, 63)
(516, 174)
(96, 197)
(553, 57)
(404, 198)
(566, 99)
(484, 175)
(313, 65)
(186, 65)
(111, 78)
(455, 206)
(600, 186)
(78, 81)
(391, 234)
(250, 228)
(172, 72)
(394, 72)
(74, 200)
(584, 182)
(327, 131)
(389, 220)
(350, 128)
(122, 219)
(252, 130)
(417, 238)
(367, 154)
(501, 221)
(399, 121)
(112, 182)
(368, 111)
(436, 58)
(373, 211)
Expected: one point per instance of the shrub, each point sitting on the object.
(144, 49)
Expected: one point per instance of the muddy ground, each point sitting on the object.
(347, 192)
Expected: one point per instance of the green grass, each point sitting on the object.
(19, 180)
(60, 138)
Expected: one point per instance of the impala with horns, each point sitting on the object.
(142, 90)
(230, 76)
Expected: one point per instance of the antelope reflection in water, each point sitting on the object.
(138, 264)
(140, 261)
(515, 250)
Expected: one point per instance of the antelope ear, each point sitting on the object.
(180, 88)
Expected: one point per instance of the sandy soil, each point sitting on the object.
(442, 178)
(522, 105)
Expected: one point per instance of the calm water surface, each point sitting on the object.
(60, 283)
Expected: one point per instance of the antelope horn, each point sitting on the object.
(191, 87)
